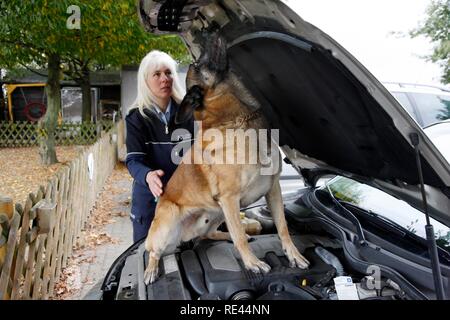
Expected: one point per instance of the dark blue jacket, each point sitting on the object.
(149, 148)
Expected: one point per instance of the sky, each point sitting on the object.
(364, 28)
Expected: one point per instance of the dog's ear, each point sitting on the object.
(215, 55)
(219, 60)
(192, 100)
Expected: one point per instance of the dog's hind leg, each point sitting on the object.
(230, 207)
(163, 232)
(218, 235)
(215, 234)
(275, 204)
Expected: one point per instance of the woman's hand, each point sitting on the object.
(154, 182)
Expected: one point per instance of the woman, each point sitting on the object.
(150, 124)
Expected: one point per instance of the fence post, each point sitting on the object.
(31, 238)
(25, 225)
(6, 213)
(121, 146)
(51, 195)
(55, 257)
(7, 250)
(45, 218)
(62, 221)
(6, 206)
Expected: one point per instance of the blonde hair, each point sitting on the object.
(152, 61)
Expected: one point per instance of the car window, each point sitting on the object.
(371, 199)
(432, 107)
(404, 101)
(439, 134)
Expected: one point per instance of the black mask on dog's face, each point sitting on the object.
(210, 70)
(192, 100)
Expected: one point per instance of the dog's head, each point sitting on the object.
(204, 75)
(212, 66)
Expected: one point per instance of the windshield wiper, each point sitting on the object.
(386, 221)
(350, 216)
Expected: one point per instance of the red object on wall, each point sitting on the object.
(33, 111)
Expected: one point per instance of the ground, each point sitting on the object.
(107, 234)
(21, 172)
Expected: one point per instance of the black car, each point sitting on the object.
(336, 120)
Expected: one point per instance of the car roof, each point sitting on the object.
(416, 88)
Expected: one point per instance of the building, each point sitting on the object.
(112, 94)
(26, 98)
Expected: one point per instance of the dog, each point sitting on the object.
(200, 197)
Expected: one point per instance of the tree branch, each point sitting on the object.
(34, 71)
(37, 50)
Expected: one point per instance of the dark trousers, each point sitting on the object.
(140, 227)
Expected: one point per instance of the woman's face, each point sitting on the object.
(160, 83)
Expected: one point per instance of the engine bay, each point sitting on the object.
(226, 277)
(213, 270)
(340, 268)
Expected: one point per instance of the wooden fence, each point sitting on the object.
(24, 134)
(36, 238)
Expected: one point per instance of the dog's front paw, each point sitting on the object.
(256, 265)
(150, 276)
(295, 258)
(151, 272)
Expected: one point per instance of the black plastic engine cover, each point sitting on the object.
(226, 276)
(169, 285)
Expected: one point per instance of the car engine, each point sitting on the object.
(224, 276)
(213, 270)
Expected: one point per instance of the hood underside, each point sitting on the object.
(333, 116)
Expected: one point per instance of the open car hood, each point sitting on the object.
(334, 117)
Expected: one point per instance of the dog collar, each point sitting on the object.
(240, 121)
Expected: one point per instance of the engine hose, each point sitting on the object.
(330, 259)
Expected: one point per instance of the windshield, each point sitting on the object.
(383, 204)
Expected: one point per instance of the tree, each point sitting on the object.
(110, 35)
(437, 27)
(22, 46)
(47, 126)
(39, 33)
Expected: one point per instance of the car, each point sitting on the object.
(427, 104)
(372, 177)
(439, 133)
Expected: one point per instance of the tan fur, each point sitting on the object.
(199, 197)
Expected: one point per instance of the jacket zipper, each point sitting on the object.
(167, 129)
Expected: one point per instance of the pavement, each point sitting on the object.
(94, 263)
